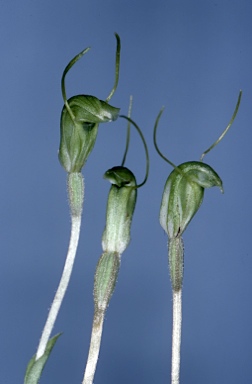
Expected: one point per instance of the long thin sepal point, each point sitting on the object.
(117, 67)
(226, 129)
(63, 88)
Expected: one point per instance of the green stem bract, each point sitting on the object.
(105, 280)
(75, 185)
(176, 262)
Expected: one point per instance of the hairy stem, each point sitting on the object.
(76, 197)
(176, 264)
(94, 347)
(176, 336)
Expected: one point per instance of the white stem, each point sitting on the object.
(58, 298)
(176, 335)
(94, 348)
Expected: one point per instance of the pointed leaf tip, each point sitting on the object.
(35, 367)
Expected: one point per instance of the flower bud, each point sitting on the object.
(183, 195)
(120, 209)
(78, 131)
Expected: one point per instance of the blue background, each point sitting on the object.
(191, 56)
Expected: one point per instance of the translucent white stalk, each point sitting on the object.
(176, 262)
(76, 197)
(94, 348)
(176, 336)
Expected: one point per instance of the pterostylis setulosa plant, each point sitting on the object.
(116, 236)
(80, 118)
(182, 197)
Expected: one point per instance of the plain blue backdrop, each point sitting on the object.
(191, 56)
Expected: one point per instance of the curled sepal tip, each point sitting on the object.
(89, 109)
(120, 176)
(120, 208)
(183, 195)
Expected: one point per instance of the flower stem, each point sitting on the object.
(176, 265)
(176, 336)
(104, 284)
(94, 347)
(76, 197)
